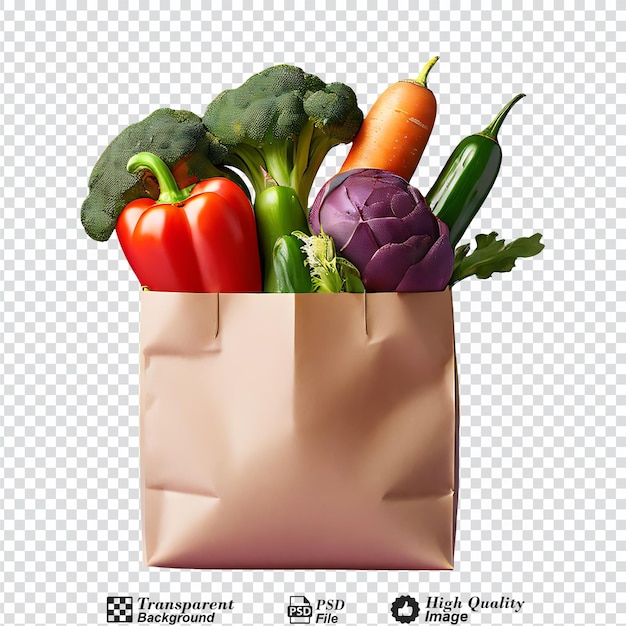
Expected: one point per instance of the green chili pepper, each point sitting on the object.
(468, 177)
(278, 212)
(292, 275)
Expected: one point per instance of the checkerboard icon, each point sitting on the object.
(119, 610)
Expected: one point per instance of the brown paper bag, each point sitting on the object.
(298, 431)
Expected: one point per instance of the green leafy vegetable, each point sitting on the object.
(329, 273)
(492, 255)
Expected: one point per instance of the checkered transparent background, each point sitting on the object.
(541, 515)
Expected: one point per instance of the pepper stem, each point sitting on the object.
(492, 130)
(421, 79)
(170, 192)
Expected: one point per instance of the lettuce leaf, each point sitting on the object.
(330, 273)
(492, 255)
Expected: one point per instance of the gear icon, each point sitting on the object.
(405, 609)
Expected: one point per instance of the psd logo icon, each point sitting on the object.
(119, 610)
(405, 609)
(299, 610)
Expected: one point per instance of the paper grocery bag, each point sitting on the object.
(298, 431)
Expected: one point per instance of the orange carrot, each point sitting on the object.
(395, 132)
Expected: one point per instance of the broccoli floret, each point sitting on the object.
(177, 137)
(281, 121)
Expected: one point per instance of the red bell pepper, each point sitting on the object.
(199, 239)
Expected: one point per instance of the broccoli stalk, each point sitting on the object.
(277, 128)
(292, 162)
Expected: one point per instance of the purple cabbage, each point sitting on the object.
(385, 228)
